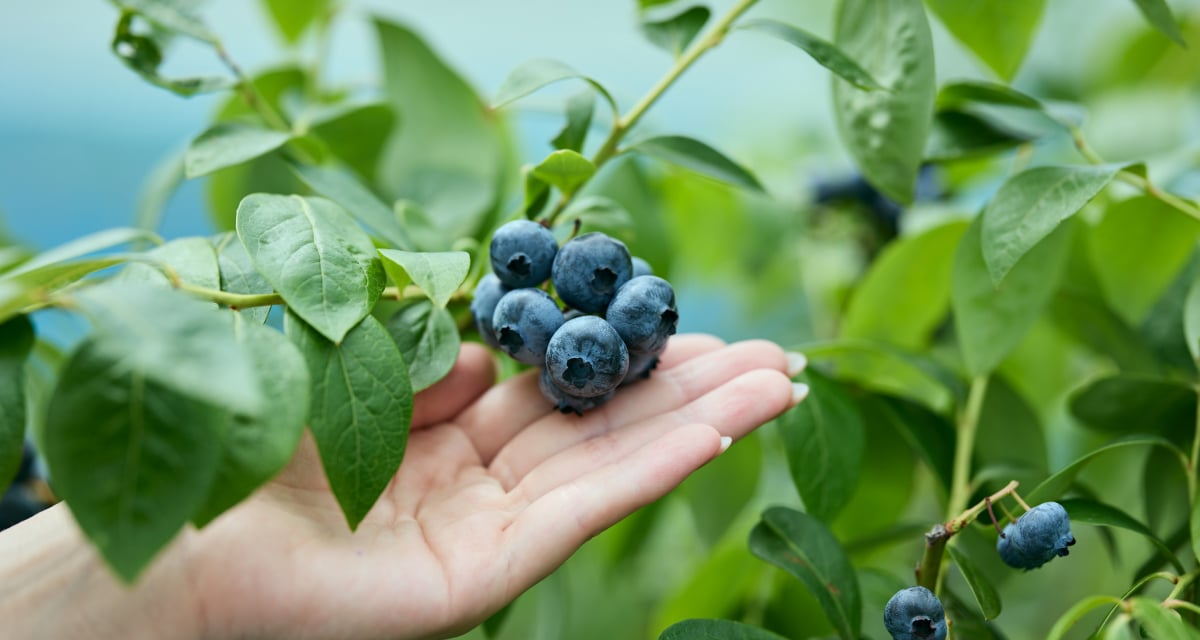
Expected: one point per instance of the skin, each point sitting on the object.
(496, 491)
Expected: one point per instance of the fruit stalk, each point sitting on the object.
(928, 572)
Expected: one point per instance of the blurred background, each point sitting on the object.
(80, 134)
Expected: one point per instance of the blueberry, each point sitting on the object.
(586, 357)
(18, 504)
(522, 253)
(643, 312)
(589, 269)
(1037, 537)
(524, 321)
(483, 306)
(915, 614)
(640, 366)
(566, 402)
(641, 267)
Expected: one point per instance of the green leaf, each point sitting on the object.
(1030, 205)
(160, 185)
(192, 259)
(1105, 515)
(1191, 321)
(1158, 14)
(344, 188)
(1054, 486)
(227, 144)
(438, 274)
(956, 135)
(799, 544)
(991, 320)
(887, 369)
(427, 337)
(1127, 403)
(1159, 622)
(255, 448)
(565, 169)
(354, 132)
(362, 404)
(16, 342)
(690, 153)
(905, 294)
(173, 340)
(225, 189)
(964, 92)
(144, 54)
(1096, 325)
(239, 276)
(1076, 613)
(697, 629)
(931, 435)
(674, 34)
(720, 491)
(1010, 435)
(885, 131)
(539, 72)
(985, 594)
(596, 212)
(293, 17)
(998, 31)
(824, 440)
(825, 53)
(580, 108)
(1137, 249)
(176, 16)
(133, 458)
(315, 256)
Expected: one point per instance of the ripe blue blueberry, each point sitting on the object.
(1037, 537)
(586, 357)
(566, 402)
(589, 269)
(483, 306)
(915, 614)
(522, 253)
(641, 267)
(524, 321)
(643, 312)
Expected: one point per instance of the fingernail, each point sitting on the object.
(799, 392)
(725, 442)
(796, 362)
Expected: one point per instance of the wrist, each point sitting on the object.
(53, 584)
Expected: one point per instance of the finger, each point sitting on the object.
(473, 373)
(733, 409)
(662, 393)
(548, 531)
(508, 408)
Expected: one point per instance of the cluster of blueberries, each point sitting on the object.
(1037, 537)
(616, 323)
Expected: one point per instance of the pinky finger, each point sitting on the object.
(550, 529)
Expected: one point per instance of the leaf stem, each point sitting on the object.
(248, 300)
(1132, 179)
(249, 92)
(968, 424)
(628, 121)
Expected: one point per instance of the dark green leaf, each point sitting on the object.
(293, 17)
(699, 157)
(1096, 325)
(718, 492)
(716, 587)
(967, 621)
(1010, 434)
(888, 369)
(535, 74)
(1158, 14)
(1053, 487)
(1160, 622)
(886, 480)
(225, 189)
(580, 108)
(826, 54)
(990, 320)
(1076, 612)
(438, 274)
(565, 169)
(956, 135)
(354, 132)
(998, 31)
(697, 629)
(1105, 515)
(1191, 321)
(824, 439)
(1127, 403)
(1030, 205)
(985, 594)
(143, 53)
(1137, 249)
(255, 448)
(674, 34)
(133, 458)
(931, 435)
(906, 292)
(428, 340)
(228, 144)
(885, 131)
(192, 259)
(963, 92)
(157, 190)
(239, 276)
(16, 341)
(361, 410)
(537, 192)
(1194, 525)
(342, 187)
(315, 256)
(802, 546)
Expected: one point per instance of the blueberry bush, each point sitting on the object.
(1000, 306)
